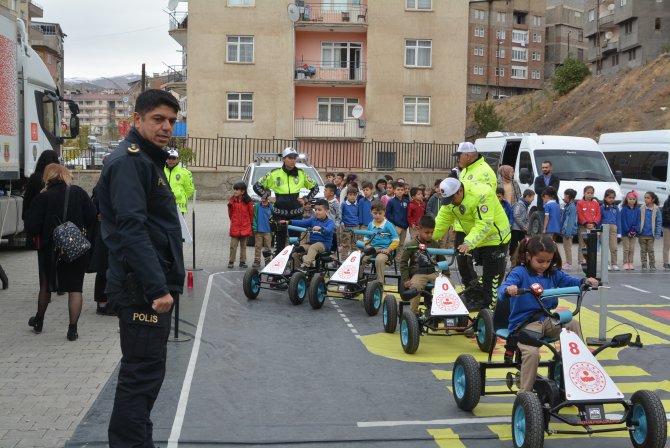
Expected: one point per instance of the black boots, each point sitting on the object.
(36, 322)
(72, 334)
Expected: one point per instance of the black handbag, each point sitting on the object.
(68, 240)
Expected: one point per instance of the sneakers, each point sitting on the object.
(615, 267)
(609, 267)
(567, 267)
(231, 265)
(257, 264)
(644, 266)
(652, 267)
(36, 322)
(243, 264)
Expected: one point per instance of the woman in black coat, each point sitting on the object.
(35, 185)
(44, 215)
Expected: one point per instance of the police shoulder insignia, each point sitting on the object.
(262, 180)
(461, 208)
(309, 179)
(178, 176)
(470, 177)
(133, 149)
(484, 208)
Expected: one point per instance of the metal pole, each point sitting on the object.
(193, 226)
(176, 337)
(602, 291)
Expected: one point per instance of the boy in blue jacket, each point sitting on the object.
(364, 204)
(611, 214)
(349, 214)
(262, 230)
(538, 262)
(396, 212)
(383, 243)
(500, 193)
(321, 237)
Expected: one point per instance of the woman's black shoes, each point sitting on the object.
(36, 322)
(72, 334)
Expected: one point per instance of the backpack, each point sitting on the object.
(68, 240)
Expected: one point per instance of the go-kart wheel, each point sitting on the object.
(390, 314)
(409, 332)
(486, 335)
(251, 284)
(650, 427)
(297, 288)
(372, 299)
(316, 294)
(527, 421)
(466, 382)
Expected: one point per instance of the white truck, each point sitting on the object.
(30, 118)
(577, 161)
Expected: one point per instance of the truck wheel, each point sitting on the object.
(372, 299)
(316, 294)
(486, 335)
(251, 284)
(466, 382)
(650, 427)
(409, 332)
(527, 421)
(390, 314)
(297, 288)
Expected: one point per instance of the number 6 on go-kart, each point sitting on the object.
(575, 390)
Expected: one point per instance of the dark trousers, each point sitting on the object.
(465, 265)
(492, 259)
(517, 237)
(144, 336)
(100, 284)
(282, 234)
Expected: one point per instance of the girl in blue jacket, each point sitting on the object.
(538, 262)
(630, 227)
(569, 227)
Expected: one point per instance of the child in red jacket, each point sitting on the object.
(588, 216)
(241, 214)
(415, 210)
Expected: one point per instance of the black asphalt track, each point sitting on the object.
(270, 373)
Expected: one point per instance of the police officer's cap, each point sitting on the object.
(289, 152)
(448, 188)
(172, 153)
(465, 147)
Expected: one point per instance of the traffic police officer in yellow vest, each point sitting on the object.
(286, 183)
(487, 231)
(179, 178)
(473, 168)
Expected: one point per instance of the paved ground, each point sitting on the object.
(268, 371)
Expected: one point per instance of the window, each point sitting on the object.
(537, 21)
(537, 37)
(615, 60)
(331, 109)
(479, 51)
(525, 162)
(341, 55)
(418, 53)
(641, 165)
(419, 4)
(416, 110)
(535, 74)
(580, 36)
(500, 72)
(632, 54)
(580, 54)
(479, 32)
(520, 37)
(500, 34)
(519, 72)
(240, 49)
(480, 14)
(476, 90)
(241, 2)
(519, 54)
(536, 56)
(657, 23)
(501, 16)
(578, 14)
(500, 53)
(628, 27)
(592, 15)
(240, 106)
(477, 69)
(623, 2)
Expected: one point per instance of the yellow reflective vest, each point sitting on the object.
(478, 171)
(181, 184)
(287, 186)
(480, 215)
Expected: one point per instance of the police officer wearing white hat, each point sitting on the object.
(286, 183)
(179, 178)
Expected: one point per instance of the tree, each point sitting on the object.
(487, 119)
(569, 75)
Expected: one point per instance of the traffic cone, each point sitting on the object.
(189, 280)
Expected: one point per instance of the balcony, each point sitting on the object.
(176, 79)
(610, 47)
(328, 72)
(347, 16)
(349, 129)
(607, 22)
(178, 28)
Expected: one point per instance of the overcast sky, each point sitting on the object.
(113, 37)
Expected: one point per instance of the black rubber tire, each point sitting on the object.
(246, 283)
(313, 292)
(410, 340)
(656, 422)
(294, 288)
(487, 341)
(533, 421)
(390, 314)
(373, 288)
(466, 386)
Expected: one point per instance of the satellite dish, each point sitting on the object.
(608, 35)
(293, 12)
(172, 4)
(610, 7)
(357, 111)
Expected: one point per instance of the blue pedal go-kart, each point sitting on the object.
(575, 381)
(445, 313)
(281, 274)
(352, 279)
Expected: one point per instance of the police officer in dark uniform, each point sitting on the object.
(141, 229)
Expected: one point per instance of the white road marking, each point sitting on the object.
(354, 331)
(665, 297)
(346, 319)
(634, 288)
(447, 421)
(350, 325)
(173, 441)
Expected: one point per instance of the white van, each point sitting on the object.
(642, 159)
(577, 161)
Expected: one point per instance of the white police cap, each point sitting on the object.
(465, 147)
(448, 188)
(172, 152)
(289, 152)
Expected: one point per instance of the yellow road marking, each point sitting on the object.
(446, 438)
(504, 432)
(618, 371)
(635, 306)
(637, 318)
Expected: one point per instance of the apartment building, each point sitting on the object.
(102, 112)
(564, 35)
(626, 33)
(47, 40)
(506, 46)
(329, 70)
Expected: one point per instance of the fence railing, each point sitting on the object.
(330, 71)
(311, 128)
(332, 12)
